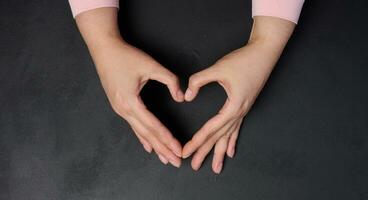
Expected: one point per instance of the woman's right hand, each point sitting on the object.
(123, 71)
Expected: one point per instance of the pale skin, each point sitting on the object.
(124, 70)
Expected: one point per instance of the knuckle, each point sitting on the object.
(193, 80)
(217, 137)
(172, 78)
(220, 150)
(158, 148)
(197, 138)
(237, 111)
(195, 141)
(145, 134)
(156, 127)
(201, 152)
(162, 150)
(238, 114)
(166, 137)
(226, 136)
(209, 128)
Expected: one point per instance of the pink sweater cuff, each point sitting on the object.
(79, 6)
(285, 9)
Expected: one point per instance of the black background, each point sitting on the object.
(305, 138)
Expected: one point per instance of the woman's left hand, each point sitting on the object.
(242, 74)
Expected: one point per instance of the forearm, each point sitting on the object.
(99, 28)
(270, 35)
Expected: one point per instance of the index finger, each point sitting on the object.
(150, 121)
(164, 76)
(205, 132)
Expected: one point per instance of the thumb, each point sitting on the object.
(198, 80)
(163, 75)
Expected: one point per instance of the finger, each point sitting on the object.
(197, 80)
(161, 149)
(149, 121)
(145, 143)
(158, 147)
(224, 116)
(163, 75)
(203, 151)
(219, 153)
(205, 132)
(163, 159)
(220, 149)
(136, 127)
(232, 141)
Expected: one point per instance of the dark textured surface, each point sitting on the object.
(306, 137)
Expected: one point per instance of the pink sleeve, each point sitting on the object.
(79, 6)
(285, 9)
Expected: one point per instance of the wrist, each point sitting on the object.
(105, 52)
(104, 42)
(271, 32)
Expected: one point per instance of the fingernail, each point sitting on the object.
(184, 153)
(232, 152)
(185, 156)
(172, 160)
(218, 168)
(147, 148)
(163, 160)
(180, 95)
(175, 150)
(176, 164)
(177, 153)
(188, 94)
